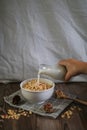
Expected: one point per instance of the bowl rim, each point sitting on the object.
(24, 81)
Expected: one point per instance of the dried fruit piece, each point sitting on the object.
(16, 100)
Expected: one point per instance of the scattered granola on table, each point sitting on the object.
(69, 112)
(15, 114)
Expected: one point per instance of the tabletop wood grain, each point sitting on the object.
(78, 120)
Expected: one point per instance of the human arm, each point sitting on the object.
(74, 67)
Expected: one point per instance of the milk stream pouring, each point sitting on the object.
(56, 72)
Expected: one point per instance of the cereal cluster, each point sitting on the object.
(59, 94)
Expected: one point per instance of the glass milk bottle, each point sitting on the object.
(56, 72)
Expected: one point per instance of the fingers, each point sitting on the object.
(71, 68)
(64, 63)
(67, 76)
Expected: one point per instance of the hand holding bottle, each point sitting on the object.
(74, 67)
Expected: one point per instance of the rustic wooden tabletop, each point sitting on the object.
(74, 117)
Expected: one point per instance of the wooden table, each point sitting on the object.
(77, 121)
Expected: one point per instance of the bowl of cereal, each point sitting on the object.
(37, 91)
